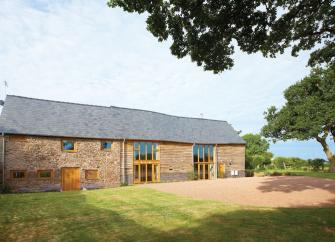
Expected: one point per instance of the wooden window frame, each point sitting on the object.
(21, 178)
(105, 141)
(89, 170)
(74, 146)
(154, 163)
(203, 163)
(44, 170)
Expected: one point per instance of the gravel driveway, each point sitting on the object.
(282, 191)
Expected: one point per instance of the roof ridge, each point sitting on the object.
(108, 107)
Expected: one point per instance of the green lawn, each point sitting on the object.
(138, 214)
(320, 174)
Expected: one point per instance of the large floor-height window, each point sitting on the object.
(146, 162)
(203, 160)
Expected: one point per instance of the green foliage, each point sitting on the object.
(249, 173)
(309, 112)
(5, 188)
(256, 152)
(207, 31)
(289, 162)
(317, 164)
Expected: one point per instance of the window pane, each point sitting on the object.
(143, 150)
(155, 154)
(149, 151)
(18, 174)
(201, 153)
(137, 145)
(149, 172)
(68, 145)
(143, 172)
(136, 154)
(106, 145)
(195, 153)
(211, 152)
(136, 172)
(44, 174)
(206, 153)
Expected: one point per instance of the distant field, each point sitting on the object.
(142, 214)
(320, 174)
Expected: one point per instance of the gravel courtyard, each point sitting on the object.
(282, 191)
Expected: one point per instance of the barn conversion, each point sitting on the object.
(51, 145)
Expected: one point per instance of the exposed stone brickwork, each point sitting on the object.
(233, 156)
(42, 153)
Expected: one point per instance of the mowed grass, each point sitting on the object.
(140, 214)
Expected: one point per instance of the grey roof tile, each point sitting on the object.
(22, 115)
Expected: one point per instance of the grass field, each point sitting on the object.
(293, 172)
(139, 214)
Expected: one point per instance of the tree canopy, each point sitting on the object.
(208, 31)
(309, 112)
(256, 151)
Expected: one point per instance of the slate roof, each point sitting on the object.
(22, 115)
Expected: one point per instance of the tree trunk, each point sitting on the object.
(330, 155)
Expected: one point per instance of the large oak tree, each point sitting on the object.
(208, 30)
(309, 112)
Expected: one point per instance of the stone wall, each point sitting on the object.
(41, 153)
(233, 156)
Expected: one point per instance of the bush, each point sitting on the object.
(316, 164)
(276, 173)
(5, 189)
(249, 173)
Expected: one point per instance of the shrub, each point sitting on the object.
(249, 173)
(276, 173)
(5, 189)
(316, 164)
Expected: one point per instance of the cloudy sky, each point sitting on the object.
(83, 51)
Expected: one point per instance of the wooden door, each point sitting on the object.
(221, 170)
(70, 178)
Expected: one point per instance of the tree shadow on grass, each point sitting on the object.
(76, 218)
(289, 184)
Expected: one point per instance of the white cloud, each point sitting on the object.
(83, 51)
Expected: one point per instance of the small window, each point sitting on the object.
(69, 145)
(91, 174)
(106, 145)
(18, 174)
(45, 174)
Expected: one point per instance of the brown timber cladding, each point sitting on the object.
(233, 156)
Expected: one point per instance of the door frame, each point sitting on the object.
(63, 178)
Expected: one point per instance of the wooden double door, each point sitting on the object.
(203, 170)
(146, 172)
(70, 178)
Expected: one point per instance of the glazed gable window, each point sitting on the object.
(106, 145)
(18, 174)
(69, 146)
(146, 151)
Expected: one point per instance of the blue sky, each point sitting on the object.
(83, 51)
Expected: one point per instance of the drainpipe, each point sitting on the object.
(123, 162)
(216, 161)
(3, 159)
